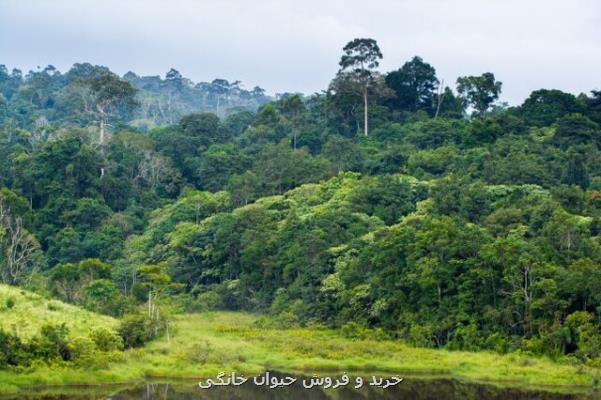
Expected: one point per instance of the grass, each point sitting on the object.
(201, 345)
(205, 344)
(30, 311)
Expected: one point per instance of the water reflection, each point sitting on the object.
(410, 389)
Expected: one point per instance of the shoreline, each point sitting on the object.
(204, 344)
(67, 387)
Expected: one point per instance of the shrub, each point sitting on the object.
(82, 351)
(284, 320)
(106, 339)
(10, 303)
(136, 330)
(133, 331)
(353, 330)
(52, 343)
(12, 350)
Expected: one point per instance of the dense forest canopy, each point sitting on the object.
(390, 200)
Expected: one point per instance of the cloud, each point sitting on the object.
(288, 45)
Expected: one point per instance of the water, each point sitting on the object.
(410, 389)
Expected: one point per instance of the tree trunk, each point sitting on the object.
(102, 128)
(365, 123)
(102, 134)
(440, 98)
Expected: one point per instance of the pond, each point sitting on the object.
(410, 389)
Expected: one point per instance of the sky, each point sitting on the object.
(295, 45)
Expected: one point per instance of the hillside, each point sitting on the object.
(30, 311)
(441, 218)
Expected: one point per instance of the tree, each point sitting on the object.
(576, 173)
(544, 107)
(111, 95)
(203, 126)
(292, 108)
(343, 153)
(359, 61)
(100, 96)
(101, 295)
(20, 252)
(479, 91)
(415, 85)
(217, 164)
(68, 281)
(243, 188)
(345, 96)
(594, 106)
(9, 83)
(576, 129)
(220, 89)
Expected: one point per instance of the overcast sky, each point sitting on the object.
(295, 45)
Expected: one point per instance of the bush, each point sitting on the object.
(106, 339)
(10, 303)
(12, 350)
(82, 351)
(420, 335)
(52, 343)
(136, 330)
(353, 330)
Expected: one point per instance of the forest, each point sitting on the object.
(389, 204)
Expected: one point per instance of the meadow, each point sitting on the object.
(201, 345)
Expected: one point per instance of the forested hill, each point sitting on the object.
(436, 214)
(46, 97)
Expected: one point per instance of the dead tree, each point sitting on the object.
(20, 249)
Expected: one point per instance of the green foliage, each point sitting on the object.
(36, 332)
(136, 330)
(440, 229)
(10, 303)
(52, 344)
(576, 129)
(544, 107)
(415, 86)
(479, 91)
(13, 351)
(106, 339)
(82, 351)
(102, 296)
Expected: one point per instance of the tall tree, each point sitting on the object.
(479, 91)
(112, 95)
(544, 107)
(594, 106)
(359, 61)
(414, 84)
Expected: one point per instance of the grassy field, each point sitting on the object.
(30, 311)
(201, 345)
